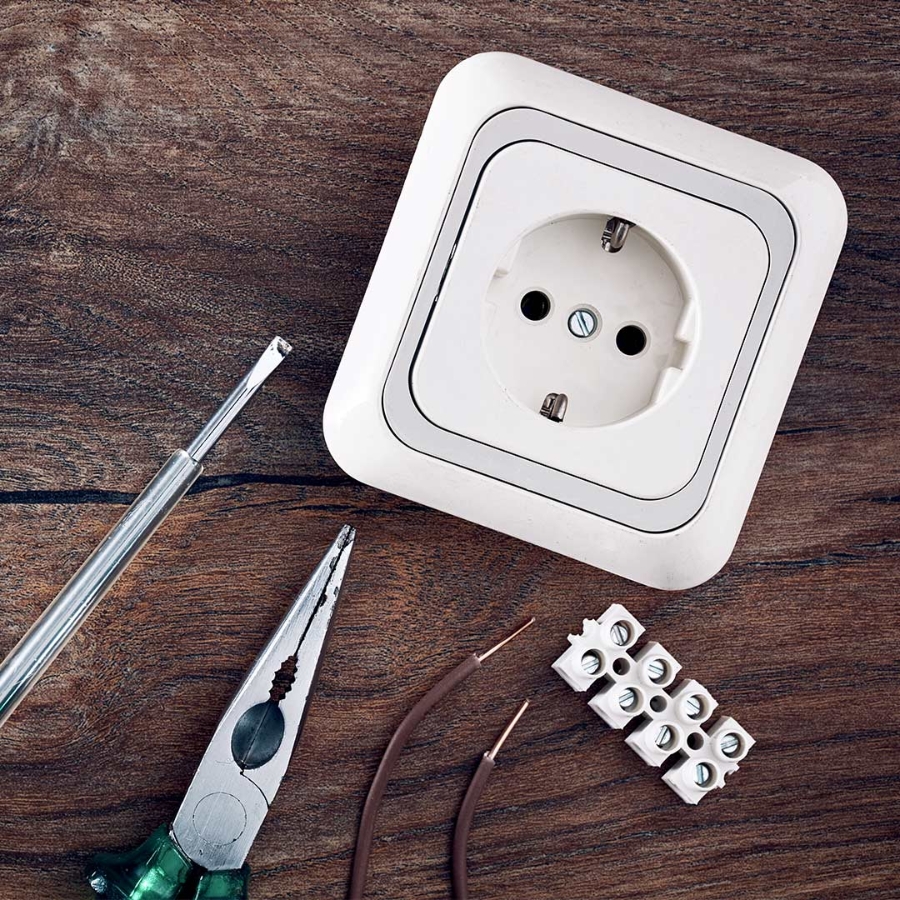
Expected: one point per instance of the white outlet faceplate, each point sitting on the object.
(684, 353)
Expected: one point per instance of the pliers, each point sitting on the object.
(201, 855)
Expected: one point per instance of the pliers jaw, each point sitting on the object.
(246, 760)
(202, 856)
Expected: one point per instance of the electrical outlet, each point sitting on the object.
(585, 320)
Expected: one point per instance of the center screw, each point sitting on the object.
(582, 323)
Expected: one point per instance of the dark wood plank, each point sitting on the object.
(180, 181)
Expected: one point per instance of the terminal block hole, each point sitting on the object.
(621, 633)
(592, 662)
(696, 707)
(621, 665)
(695, 740)
(732, 745)
(666, 737)
(704, 775)
(629, 700)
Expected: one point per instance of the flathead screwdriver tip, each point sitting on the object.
(267, 363)
(281, 345)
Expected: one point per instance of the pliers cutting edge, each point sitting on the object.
(202, 854)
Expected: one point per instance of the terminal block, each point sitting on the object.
(635, 687)
(602, 643)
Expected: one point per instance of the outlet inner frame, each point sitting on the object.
(409, 424)
(691, 268)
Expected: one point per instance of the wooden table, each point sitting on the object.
(182, 181)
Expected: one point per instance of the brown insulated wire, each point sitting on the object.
(392, 754)
(467, 811)
(464, 826)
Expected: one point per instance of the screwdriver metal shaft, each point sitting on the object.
(64, 616)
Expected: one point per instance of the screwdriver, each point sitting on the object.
(28, 660)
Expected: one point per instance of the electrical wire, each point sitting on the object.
(467, 810)
(392, 754)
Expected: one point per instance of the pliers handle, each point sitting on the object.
(159, 870)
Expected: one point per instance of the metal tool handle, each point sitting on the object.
(160, 870)
(62, 618)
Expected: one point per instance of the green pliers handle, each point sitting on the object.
(159, 870)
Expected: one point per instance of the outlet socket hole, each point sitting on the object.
(535, 306)
(630, 340)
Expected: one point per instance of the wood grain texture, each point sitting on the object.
(178, 182)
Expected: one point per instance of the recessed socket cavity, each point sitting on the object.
(610, 330)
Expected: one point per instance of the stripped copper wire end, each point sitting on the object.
(467, 810)
(395, 747)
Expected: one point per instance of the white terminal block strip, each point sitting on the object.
(637, 686)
